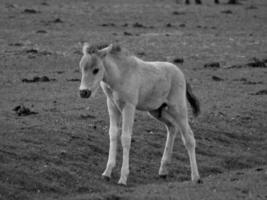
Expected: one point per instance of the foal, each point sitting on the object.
(130, 83)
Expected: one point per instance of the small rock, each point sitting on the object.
(127, 33)
(38, 52)
(251, 7)
(32, 51)
(169, 25)
(233, 179)
(141, 53)
(16, 44)
(37, 79)
(87, 116)
(227, 12)
(216, 78)
(259, 169)
(138, 25)
(252, 82)
(177, 13)
(212, 65)
(233, 2)
(108, 24)
(74, 80)
(30, 11)
(178, 60)
(21, 110)
(261, 92)
(41, 31)
(57, 20)
(44, 79)
(236, 66)
(257, 63)
(44, 3)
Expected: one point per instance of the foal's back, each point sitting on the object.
(160, 82)
(161, 70)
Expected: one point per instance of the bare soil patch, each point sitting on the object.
(61, 152)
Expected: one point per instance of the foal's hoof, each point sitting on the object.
(122, 183)
(106, 178)
(198, 181)
(163, 176)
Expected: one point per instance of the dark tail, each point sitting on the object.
(192, 100)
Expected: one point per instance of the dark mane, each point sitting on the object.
(96, 47)
(115, 48)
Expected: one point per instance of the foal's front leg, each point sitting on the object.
(127, 126)
(114, 130)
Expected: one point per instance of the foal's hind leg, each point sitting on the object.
(188, 140)
(163, 116)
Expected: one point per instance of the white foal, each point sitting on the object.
(131, 83)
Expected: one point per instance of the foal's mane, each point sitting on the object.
(94, 48)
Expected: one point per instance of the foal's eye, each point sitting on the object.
(95, 71)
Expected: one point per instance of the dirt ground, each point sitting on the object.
(54, 145)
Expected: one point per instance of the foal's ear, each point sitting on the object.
(85, 48)
(103, 52)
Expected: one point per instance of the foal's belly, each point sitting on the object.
(153, 94)
(149, 106)
(152, 101)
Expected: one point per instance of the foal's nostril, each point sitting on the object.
(85, 93)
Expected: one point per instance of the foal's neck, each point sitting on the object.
(112, 72)
(117, 69)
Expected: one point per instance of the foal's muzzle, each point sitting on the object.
(85, 93)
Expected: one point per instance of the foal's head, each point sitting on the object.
(92, 68)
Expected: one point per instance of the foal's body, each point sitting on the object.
(157, 87)
(147, 86)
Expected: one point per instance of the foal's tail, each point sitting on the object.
(192, 100)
